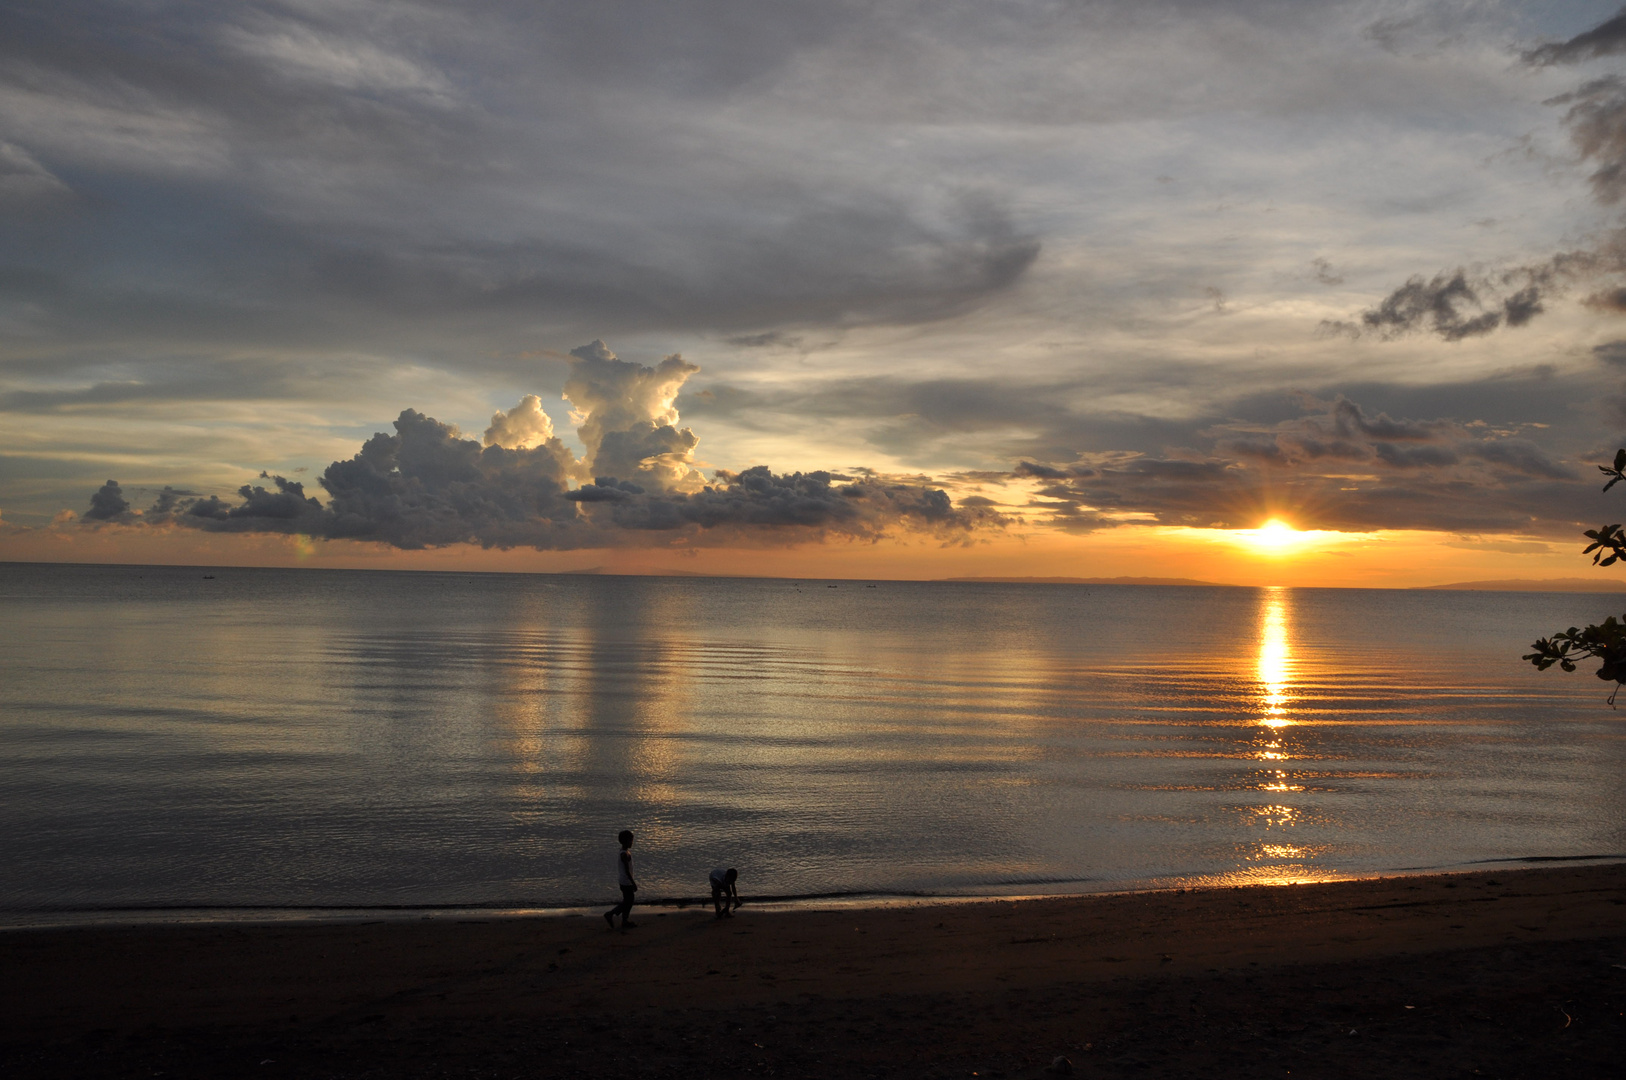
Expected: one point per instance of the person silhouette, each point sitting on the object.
(629, 885)
(723, 887)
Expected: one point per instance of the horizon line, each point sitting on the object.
(1580, 585)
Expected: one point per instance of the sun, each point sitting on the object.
(1274, 535)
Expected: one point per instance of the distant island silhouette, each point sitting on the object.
(1563, 584)
(1091, 581)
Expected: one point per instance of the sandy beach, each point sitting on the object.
(1511, 973)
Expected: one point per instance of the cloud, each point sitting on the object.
(1455, 305)
(1596, 119)
(108, 503)
(627, 418)
(346, 175)
(1611, 352)
(929, 230)
(1606, 39)
(524, 427)
(1339, 467)
(169, 500)
(1447, 305)
(1324, 272)
(815, 503)
(117, 383)
(1612, 301)
(299, 51)
(23, 178)
(426, 485)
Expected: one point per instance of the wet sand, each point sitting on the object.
(1511, 973)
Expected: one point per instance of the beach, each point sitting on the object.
(1504, 973)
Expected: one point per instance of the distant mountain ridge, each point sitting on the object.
(1563, 584)
(1090, 581)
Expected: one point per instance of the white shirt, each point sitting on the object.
(719, 876)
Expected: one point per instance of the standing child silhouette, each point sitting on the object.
(629, 886)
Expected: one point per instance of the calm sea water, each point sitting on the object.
(294, 739)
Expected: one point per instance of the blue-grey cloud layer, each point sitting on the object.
(967, 236)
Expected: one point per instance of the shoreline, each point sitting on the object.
(23, 920)
(1169, 982)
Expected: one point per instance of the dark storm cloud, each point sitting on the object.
(426, 485)
(1340, 467)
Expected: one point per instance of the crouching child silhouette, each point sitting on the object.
(724, 887)
(629, 885)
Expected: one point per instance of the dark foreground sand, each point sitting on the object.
(1505, 974)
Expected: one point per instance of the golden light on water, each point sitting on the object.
(1277, 862)
(1275, 660)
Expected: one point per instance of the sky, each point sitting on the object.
(897, 290)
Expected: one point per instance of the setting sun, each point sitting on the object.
(1274, 536)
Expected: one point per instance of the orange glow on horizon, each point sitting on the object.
(1306, 558)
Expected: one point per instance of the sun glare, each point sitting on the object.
(1274, 535)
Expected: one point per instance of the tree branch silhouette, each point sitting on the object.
(1605, 641)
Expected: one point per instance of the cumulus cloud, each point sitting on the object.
(523, 427)
(108, 503)
(627, 417)
(817, 502)
(426, 485)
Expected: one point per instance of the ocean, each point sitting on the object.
(273, 741)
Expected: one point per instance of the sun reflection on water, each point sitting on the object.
(1275, 660)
